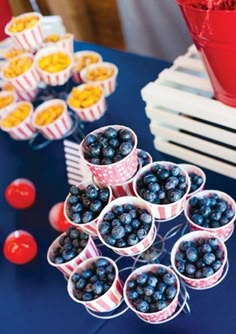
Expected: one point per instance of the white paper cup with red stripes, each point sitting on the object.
(58, 128)
(66, 42)
(110, 300)
(23, 130)
(223, 232)
(200, 283)
(91, 227)
(26, 81)
(117, 172)
(163, 211)
(67, 268)
(13, 98)
(142, 245)
(109, 84)
(30, 38)
(27, 95)
(92, 113)
(78, 56)
(56, 78)
(154, 317)
(198, 171)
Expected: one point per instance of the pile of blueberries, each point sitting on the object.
(108, 147)
(196, 181)
(210, 212)
(125, 225)
(152, 291)
(70, 245)
(162, 185)
(200, 258)
(143, 158)
(84, 205)
(92, 283)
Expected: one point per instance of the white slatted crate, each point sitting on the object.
(185, 119)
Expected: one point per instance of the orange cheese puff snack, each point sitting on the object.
(99, 73)
(17, 66)
(16, 116)
(49, 115)
(84, 98)
(19, 24)
(6, 100)
(53, 38)
(11, 53)
(8, 87)
(54, 62)
(85, 60)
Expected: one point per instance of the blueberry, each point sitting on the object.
(110, 240)
(170, 292)
(191, 254)
(154, 187)
(175, 171)
(103, 141)
(182, 186)
(214, 224)
(174, 195)
(100, 271)
(224, 220)
(161, 304)
(87, 273)
(157, 296)
(87, 217)
(190, 269)
(109, 216)
(124, 135)
(149, 178)
(180, 265)
(110, 133)
(91, 192)
(148, 290)
(110, 268)
(141, 233)
(93, 279)
(140, 290)
(171, 182)
(221, 206)
(68, 255)
(117, 158)
(164, 174)
(133, 295)
(108, 152)
(205, 211)
(95, 150)
(200, 264)
(81, 283)
(106, 161)
(142, 279)
(98, 287)
(116, 222)
(96, 206)
(59, 260)
(118, 232)
(85, 201)
(135, 223)
(146, 218)
(161, 194)
(213, 242)
(184, 245)
(133, 213)
(197, 218)
(128, 228)
(67, 247)
(193, 201)
(198, 274)
(102, 262)
(74, 234)
(74, 190)
(229, 213)
(216, 265)
(125, 218)
(87, 296)
(78, 207)
(152, 281)
(206, 248)
(216, 215)
(169, 279)
(132, 239)
(149, 196)
(118, 210)
(161, 287)
(128, 207)
(205, 201)
(125, 148)
(143, 306)
(180, 256)
(106, 287)
(161, 271)
(90, 139)
(89, 287)
(104, 195)
(75, 277)
(182, 178)
(95, 161)
(73, 200)
(207, 271)
(219, 254)
(105, 228)
(114, 143)
(131, 284)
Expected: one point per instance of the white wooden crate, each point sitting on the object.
(186, 121)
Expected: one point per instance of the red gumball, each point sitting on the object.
(20, 194)
(57, 219)
(20, 247)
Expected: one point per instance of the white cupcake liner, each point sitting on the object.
(109, 85)
(29, 38)
(65, 43)
(110, 299)
(5, 94)
(58, 128)
(194, 169)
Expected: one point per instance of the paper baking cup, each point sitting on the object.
(58, 128)
(163, 211)
(28, 38)
(143, 244)
(92, 113)
(66, 43)
(107, 302)
(222, 232)
(194, 169)
(76, 74)
(202, 282)
(68, 267)
(6, 94)
(109, 85)
(24, 130)
(27, 80)
(57, 78)
(159, 316)
(91, 227)
(27, 95)
(118, 172)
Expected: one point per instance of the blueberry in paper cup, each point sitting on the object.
(197, 178)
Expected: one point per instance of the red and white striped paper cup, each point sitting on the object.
(163, 211)
(67, 268)
(58, 128)
(5, 94)
(77, 56)
(159, 316)
(109, 85)
(223, 232)
(143, 244)
(117, 172)
(66, 42)
(92, 113)
(29, 38)
(91, 227)
(200, 283)
(57, 78)
(26, 81)
(110, 299)
(198, 171)
(27, 95)
(23, 130)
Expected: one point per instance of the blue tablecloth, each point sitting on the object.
(33, 298)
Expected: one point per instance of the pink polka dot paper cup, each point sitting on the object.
(59, 127)
(23, 130)
(163, 211)
(90, 227)
(66, 42)
(158, 316)
(30, 38)
(117, 172)
(89, 251)
(143, 244)
(201, 283)
(224, 229)
(107, 83)
(92, 113)
(197, 171)
(107, 302)
(7, 99)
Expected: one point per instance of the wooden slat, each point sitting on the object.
(190, 63)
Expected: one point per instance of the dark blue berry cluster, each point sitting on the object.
(84, 205)
(162, 185)
(200, 258)
(70, 245)
(152, 291)
(93, 282)
(196, 181)
(210, 212)
(144, 158)
(125, 225)
(109, 146)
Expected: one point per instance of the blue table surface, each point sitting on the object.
(33, 297)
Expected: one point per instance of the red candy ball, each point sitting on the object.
(57, 219)
(20, 194)
(20, 247)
